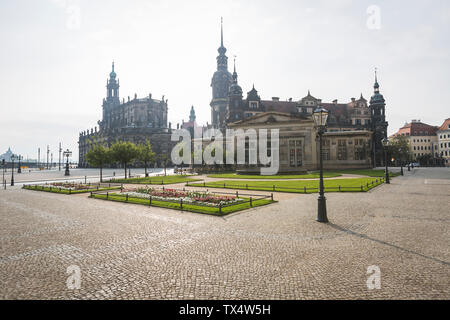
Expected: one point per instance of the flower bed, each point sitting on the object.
(69, 187)
(188, 197)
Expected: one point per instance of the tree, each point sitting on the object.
(400, 149)
(124, 153)
(146, 154)
(99, 156)
(163, 158)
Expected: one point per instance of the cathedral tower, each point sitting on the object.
(220, 84)
(378, 123)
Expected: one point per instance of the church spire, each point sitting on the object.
(376, 86)
(234, 72)
(221, 31)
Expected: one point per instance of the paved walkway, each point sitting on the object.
(127, 251)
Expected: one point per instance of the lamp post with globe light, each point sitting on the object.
(320, 117)
(12, 170)
(386, 172)
(67, 154)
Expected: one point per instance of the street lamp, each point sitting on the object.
(386, 172)
(67, 154)
(19, 170)
(3, 179)
(12, 170)
(320, 116)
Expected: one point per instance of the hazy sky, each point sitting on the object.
(56, 55)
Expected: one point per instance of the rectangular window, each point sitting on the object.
(342, 150)
(295, 153)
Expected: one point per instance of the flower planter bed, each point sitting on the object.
(194, 201)
(156, 180)
(70, 188)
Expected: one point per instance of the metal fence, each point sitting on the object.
(363, 187)
(48, 187)
(180, 205)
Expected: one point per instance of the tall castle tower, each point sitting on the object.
(378, 122)
(220, 84)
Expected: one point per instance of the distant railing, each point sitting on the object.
(363, 187)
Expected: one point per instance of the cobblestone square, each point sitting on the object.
(127, 251)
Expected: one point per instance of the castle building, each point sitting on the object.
(135, 120)
(355, 129)
(220, 83)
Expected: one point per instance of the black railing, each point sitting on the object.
(274, 188)
(150, 200)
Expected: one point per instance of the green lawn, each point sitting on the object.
(186, 207)
(364, 172)
(160, 180)
(347, 185)
(313, 175)
(64, 191)
(281, 176)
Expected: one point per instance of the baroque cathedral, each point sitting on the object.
(355, 129)
(135, 120)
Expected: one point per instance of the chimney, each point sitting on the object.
(275, 98)
(290, 99)
(335, 101)
(353, 99)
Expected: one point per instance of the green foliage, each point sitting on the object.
(400, 149)
(124, 152)
(146, 153)
(98, 156)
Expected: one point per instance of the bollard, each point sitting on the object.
(181, 204)
(224, 185)
(273, 188)
(107, 196)
(220, 208)
(70, 191)
(271, 196)
(339, 188)
(126, 198)
(150, 202)
(247, 187)
(204, 184)
(361, 188)
(121, 187)
(237, 194)
(251, 205)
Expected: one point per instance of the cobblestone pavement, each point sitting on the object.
(127, 251)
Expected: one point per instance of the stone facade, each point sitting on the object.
(357, 121)
(443, 136)
(298, 143)
(135, 120)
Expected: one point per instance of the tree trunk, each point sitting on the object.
(125, 166)
(165, 174)
(101, 174)
(145, 166)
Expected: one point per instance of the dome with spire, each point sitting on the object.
(377, 97)
(112, 75)
(235, 89)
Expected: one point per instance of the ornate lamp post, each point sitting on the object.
(12, 170)
(386, 172)
(19, 170)
(3, 179)
(320, 117)
(67, 154)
